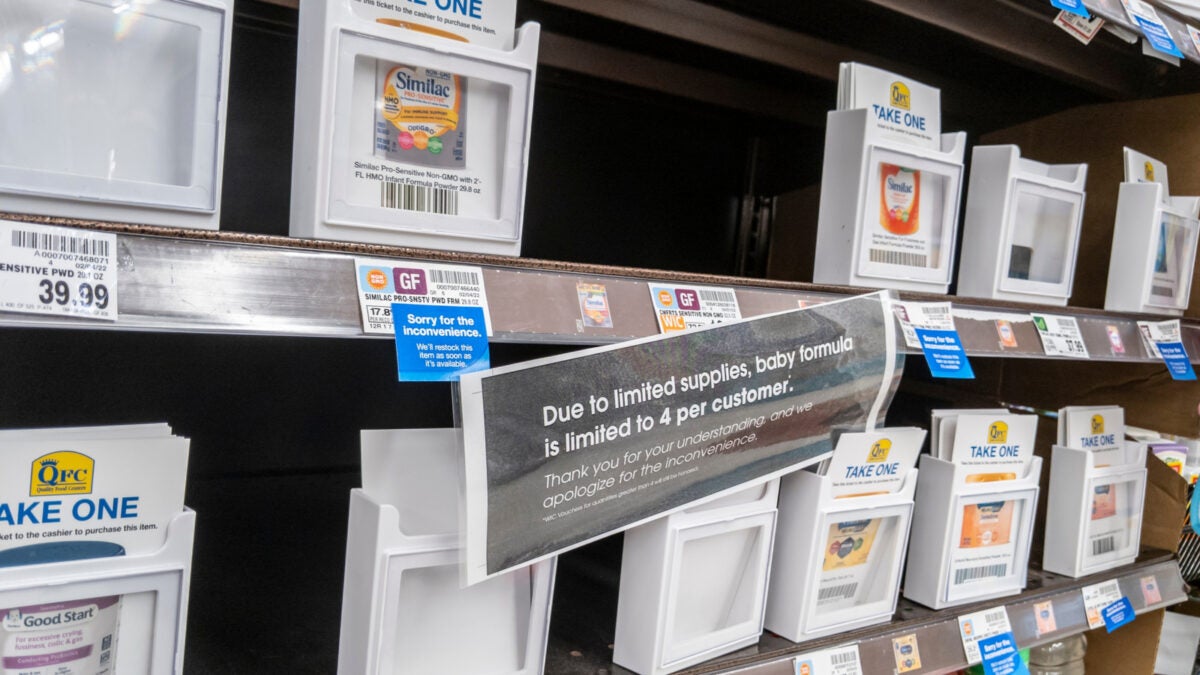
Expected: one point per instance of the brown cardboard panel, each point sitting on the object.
(1166, 128)
(794, 235)
(1130, 649)
(1165, 507)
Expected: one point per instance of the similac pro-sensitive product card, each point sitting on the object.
(994, 447)
(61, 494)
(873, 462)
(1097, 429)
(898, 106)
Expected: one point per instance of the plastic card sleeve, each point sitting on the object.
(153, 591)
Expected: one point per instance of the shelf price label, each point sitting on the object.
(382, 282)
(1060, 336)
(1097, 597)
(835, 661)
(975, 628)
(1143, 15)
(930, 327)
(1165, 340)
(682, 307)
(58, 271)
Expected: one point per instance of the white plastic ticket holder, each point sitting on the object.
(970, 541)
(348, 179)
(889, 210)
(1093, 513)
(1021, 230)
(1153, 251)
(115, 110)
(153, 592)
(837, 562)
(694, 583)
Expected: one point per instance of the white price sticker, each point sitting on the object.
(58, 271)
(834, 661)
(930, 315)
(1078, 27)
(1060, 336)
(382, 282)
(1097, 597)
(975, 627)
(683, 307)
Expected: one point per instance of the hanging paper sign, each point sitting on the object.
(564, 450)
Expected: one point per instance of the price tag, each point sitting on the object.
(1073, 6)
(1043, 616)
(973, 628)
(1150, 592)
(593, 305)
(930, 326)
(1078, 27)
(1098, 596)
(1060, 336)
(1165, 340)
(835, 661)
(1144, 16)
(683, 307)
(1001, 657)
(908, 655)
(58, 271)
(383, 282)
(1195, 36)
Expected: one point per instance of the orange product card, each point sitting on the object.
(987, 524)
(1104, 501)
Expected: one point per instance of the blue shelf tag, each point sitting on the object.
(1072, 6)
(1176, 358)
(1001, 656)
(1157, 35)
(945, 354)
(1117, 614)
(437, 343)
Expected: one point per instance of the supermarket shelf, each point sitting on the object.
(177, 280)
(937, 631)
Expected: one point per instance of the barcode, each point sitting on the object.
(453, 277)
(879, 255)
(418, 198)
(977, 573)
(1106, 545)
(997, 616)
(59, 242)
(841, 592)
(726, 297)
(1162, 291)
(843, 658)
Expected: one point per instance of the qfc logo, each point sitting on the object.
(64, 472)
(998, 432)
(900, 96)
(879, 450)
